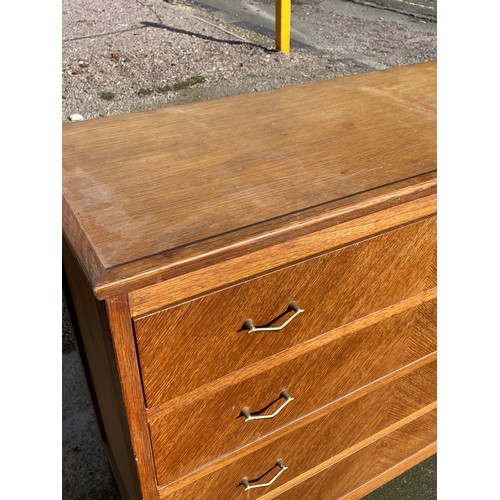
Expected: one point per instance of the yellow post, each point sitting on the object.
(283, 14)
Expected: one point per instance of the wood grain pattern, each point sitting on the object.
(392, 472)
(213, 276)
(96, 351)
(129, 181)
(305, 446)
(123, 342)
(264, 365)
(348, 477)
(313, 379)
(186, 346)
(249, 449)
(189, 220)
(270, 234)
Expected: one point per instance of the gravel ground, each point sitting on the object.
(134, 55)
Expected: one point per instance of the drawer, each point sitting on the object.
(312, 440)
(183, 347)
(370, 467)
(312, 379)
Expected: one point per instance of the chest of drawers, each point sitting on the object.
(252, 284)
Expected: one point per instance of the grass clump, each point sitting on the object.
(107, 95)
(144, 92)
(189, 82)
(163, 89)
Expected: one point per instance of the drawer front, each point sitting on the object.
(413, 439)
(186, 346)
(316, 439)
(312, 379)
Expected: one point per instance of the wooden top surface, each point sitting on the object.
(147, 188)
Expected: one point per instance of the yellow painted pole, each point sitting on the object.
(283, 14)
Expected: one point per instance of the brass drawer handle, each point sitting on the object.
(248, 416)
(248, 324)
(246, 483)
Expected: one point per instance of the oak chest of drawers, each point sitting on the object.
(252, 282)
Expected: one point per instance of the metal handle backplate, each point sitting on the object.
(248, 324)
(246, 483)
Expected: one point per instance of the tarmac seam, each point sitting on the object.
(395, 9)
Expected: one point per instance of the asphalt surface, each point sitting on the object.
(421, 9)
(259, 15)
(329, 39)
